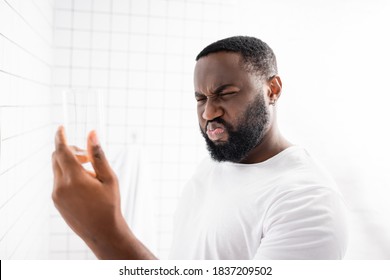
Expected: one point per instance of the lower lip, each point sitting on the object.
(216, 134)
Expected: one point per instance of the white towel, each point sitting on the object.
(137, 193)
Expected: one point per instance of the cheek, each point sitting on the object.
(232, 114)
(236, 118)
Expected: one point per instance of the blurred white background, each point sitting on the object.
(333, 59)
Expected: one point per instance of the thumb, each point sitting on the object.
(98, 159)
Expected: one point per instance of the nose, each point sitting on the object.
(212, 110)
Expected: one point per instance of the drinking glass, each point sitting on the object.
(83, 111)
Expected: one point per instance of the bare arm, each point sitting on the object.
(90, 203)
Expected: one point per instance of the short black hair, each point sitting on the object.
(257, 55)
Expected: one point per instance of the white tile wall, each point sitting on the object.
(25, 128)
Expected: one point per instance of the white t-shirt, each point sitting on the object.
(286, 207)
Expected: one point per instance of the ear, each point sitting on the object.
(275, 86)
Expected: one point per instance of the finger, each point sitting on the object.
(99, 162)
(60, 139)
(56, 168)
(64, 156)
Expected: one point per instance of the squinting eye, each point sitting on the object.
(228, 93)
(201, 100)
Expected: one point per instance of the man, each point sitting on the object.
(259, 197)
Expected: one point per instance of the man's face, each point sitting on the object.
(232, 111)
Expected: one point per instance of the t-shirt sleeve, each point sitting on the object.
(304, 223)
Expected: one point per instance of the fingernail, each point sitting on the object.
(94, 139)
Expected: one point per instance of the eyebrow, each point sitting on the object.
(217, 90)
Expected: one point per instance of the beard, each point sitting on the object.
(249, 132)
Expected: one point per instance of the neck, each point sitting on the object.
(272, 144)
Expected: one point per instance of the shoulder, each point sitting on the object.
(298, 170)
(310, 217)
(305, 223)
(304, 184)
